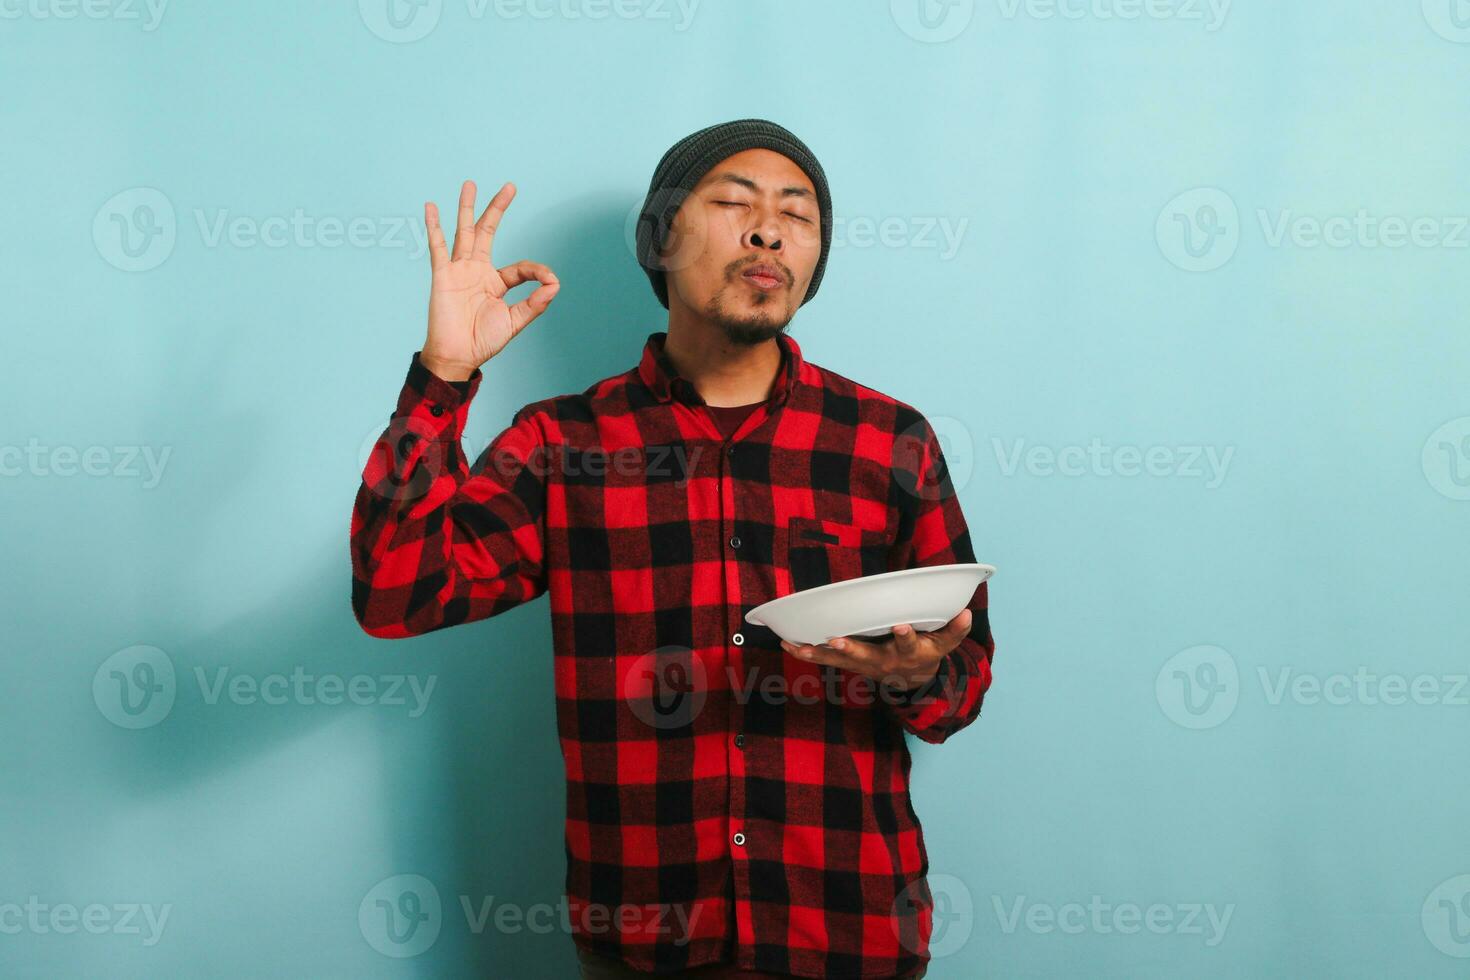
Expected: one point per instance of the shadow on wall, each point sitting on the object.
(485, 740)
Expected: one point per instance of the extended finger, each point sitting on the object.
(438, 252)
(824, 653)
(861, 652)
(464, 228)
(490, 220)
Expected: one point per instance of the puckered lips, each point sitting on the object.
(764, 276)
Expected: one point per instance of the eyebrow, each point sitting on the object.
(746, 182)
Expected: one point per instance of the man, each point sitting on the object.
(737, 806)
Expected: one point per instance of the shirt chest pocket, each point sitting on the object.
(820, 552)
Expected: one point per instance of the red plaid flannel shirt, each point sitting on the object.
(724, 799)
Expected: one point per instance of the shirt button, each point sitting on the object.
(740, 840)
(738, 639)
(735, 541)
(740, 741)
(730, 451)
(436, 410)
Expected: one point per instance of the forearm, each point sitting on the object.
(433, 545)
(936, 533)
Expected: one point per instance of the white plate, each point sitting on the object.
(872, 605)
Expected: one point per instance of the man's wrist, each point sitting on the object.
(902, 692)
(447, 370)
(908, 684)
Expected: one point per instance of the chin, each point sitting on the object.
(748, 330)
(748, 319)
(755, 333)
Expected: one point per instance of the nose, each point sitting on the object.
(764, 232)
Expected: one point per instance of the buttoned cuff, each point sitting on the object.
(437, 407)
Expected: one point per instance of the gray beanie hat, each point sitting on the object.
(685, 165)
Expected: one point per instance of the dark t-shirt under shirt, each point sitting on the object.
(729, 417)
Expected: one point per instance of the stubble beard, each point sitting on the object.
(749, 329)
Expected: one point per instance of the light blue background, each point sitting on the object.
(1054, 148)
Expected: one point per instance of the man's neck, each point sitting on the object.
(725, 374)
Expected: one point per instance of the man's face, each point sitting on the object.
(744, 245)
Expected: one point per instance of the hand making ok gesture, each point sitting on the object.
(469, 320)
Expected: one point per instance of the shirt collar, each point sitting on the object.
(658, 374)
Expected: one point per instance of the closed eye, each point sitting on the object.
(790, 214)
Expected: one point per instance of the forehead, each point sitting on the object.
(767, 168)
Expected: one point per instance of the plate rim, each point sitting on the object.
(989, 574)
